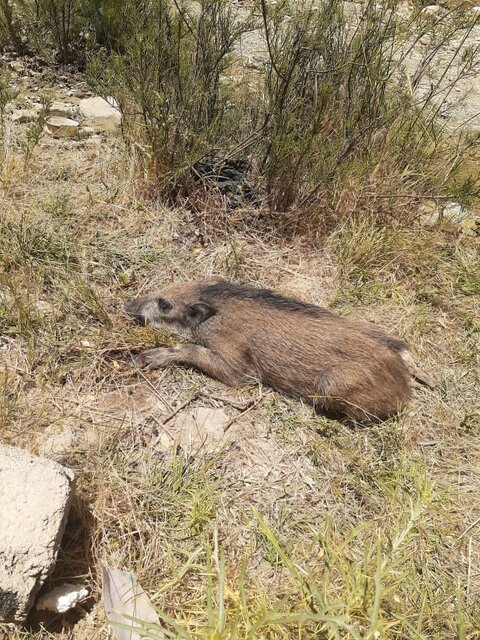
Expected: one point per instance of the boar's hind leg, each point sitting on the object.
(191, 355)
(335, 397)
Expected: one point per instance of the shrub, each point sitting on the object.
(10, 30)
(106, 21)
(345, 120)
(340, 121)
(336, 122)
(167, 75)
(45, 26)
(62, 21)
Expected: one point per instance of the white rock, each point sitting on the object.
(100, 114)
(425, 40)
(62, 598)
(454, 212)
(62, 127)
(430, 10)
(22, 116)
(35, 497)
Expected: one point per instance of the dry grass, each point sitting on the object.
(293, 526)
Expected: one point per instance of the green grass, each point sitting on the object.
(380, 576)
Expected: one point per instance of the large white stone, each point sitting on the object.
(100, 114)
(34, 500)
(454, 212)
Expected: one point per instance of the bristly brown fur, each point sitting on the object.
(227, 290)
(347, 368)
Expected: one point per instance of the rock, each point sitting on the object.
(454, 212)
(62, 598)
(62, 109)
(430, 10)
(34, 501)
(100, 114)
(55, 444)
(22, 116)
(428, 213)
(17, 66)
(426, 40)
(62, 127)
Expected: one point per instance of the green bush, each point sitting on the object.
(44, 26)
(62, 19)
(106, 21)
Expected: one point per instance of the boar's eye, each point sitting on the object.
(163, 305)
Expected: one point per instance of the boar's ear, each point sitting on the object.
(200, 311)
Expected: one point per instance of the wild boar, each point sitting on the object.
(240, 334)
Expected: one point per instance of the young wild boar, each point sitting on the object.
(243, 334)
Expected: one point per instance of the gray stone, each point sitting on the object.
(430, 10)
(62, 109)
(34, 500)
(454, 212)
(22, 116)
(426, 40)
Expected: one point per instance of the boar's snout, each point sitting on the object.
(134, 309)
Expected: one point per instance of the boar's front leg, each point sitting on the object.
(192, 355)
